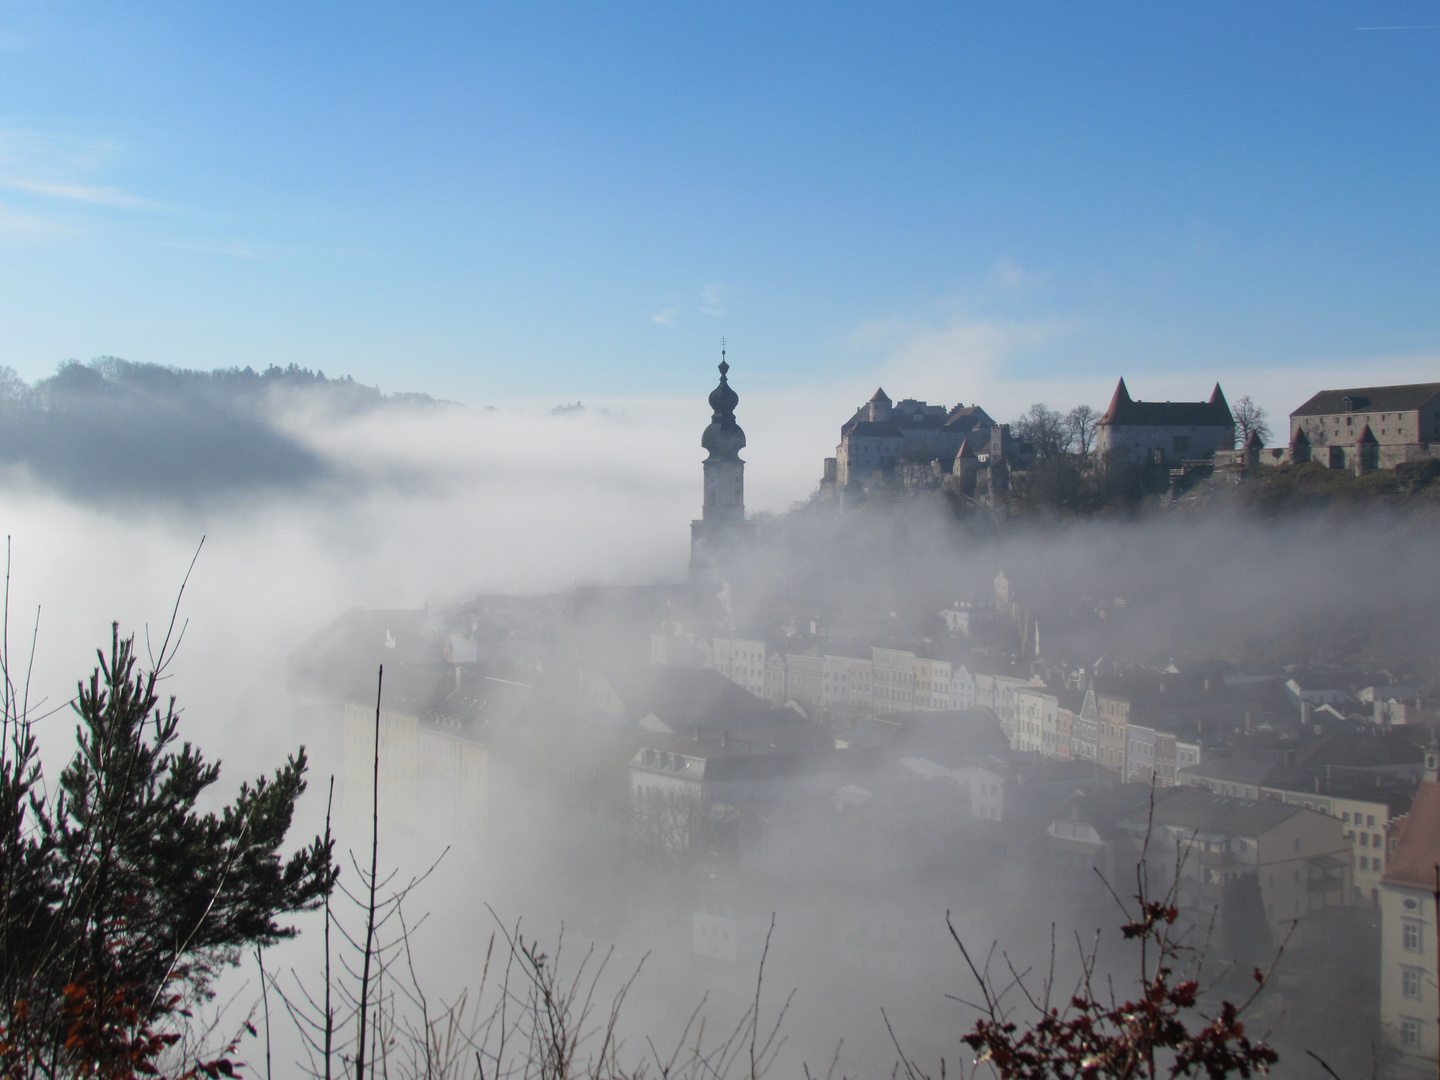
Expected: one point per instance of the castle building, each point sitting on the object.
(882, 433)
(721, 524)
(1163, 433)
(1367, 427)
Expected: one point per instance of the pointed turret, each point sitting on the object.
(1118, 402)
(966, 467)
(1300, 446)
(1221, 406)
(877, 409)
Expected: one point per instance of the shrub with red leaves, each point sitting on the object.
(1163, 1031)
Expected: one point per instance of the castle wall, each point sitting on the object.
(858, 456)
(1139, 444)
(1413, 427)
(1398, 436)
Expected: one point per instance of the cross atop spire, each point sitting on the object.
(724, 367)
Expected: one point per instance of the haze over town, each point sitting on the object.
(960, 579)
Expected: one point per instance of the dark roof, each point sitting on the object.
(919, 420)
(1102, 807)
(1331, 680)
(406, 690)
(686, 699)
(1124, 411)
(1370, 398)
(947, 738)
(431, 695)
(1418, 852)
(967, 418)
(1241, 770)
(1360, 750)
(1200, 811)
(873, 429)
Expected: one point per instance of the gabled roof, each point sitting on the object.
(1370, 399)
(968, 418)
(1125, 411)
(1196, 810)
(1412, 865)
(684, 699)
(1240, 770)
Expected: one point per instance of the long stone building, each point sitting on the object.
(1367, 427)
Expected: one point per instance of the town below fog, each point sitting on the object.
(976, 672)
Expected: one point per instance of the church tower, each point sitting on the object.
(722, 520)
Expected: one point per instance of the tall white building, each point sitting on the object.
(1408, 1003)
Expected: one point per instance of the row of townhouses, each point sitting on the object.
(884, 681)
(1086, 725)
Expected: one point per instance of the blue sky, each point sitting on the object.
(556, 200)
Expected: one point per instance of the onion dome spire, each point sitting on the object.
(723, 399)
(724, 437)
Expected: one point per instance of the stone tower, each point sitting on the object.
(722, 522)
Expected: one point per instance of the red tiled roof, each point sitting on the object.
(1125, 411)
(1418, 852)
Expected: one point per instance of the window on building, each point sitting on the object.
(1410, 935)
(1370, 821)
(1375, 840)
(1410, 1031)
(1364, 839)
(1377, 865)
(1364, 863)
(1345, 817)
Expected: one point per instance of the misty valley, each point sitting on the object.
(1088, 744)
